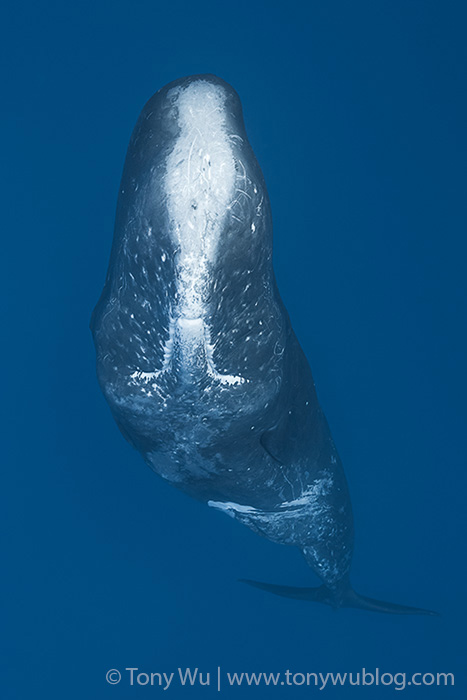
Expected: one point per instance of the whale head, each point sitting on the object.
(189, 301)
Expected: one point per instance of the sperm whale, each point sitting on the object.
(196, 355)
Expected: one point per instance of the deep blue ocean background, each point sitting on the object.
(357, 114)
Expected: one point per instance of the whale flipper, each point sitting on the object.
(349, 599)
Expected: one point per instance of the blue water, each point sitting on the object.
(357, 113)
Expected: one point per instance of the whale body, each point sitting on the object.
(196, 355)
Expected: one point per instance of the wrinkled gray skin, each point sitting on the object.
(222, 405)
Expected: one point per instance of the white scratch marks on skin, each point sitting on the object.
(307, 522)
(145, 377)
(320, 487)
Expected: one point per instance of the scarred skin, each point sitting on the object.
(196, 355)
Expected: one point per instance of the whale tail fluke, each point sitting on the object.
(348, 599)
(354, 600)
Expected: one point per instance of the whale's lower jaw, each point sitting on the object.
(200, 187)
(188, 357)
(203, 181)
